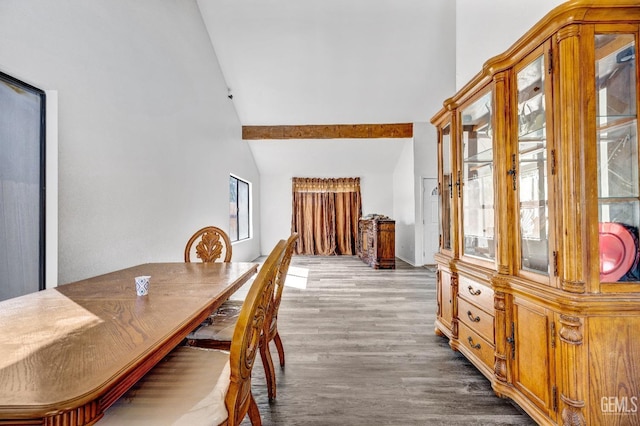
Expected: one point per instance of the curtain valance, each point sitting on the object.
(326, 185)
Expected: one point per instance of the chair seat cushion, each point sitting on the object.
(188, 387)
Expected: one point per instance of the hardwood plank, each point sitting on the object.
(361, 349)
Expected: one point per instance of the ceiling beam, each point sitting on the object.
(329, 131)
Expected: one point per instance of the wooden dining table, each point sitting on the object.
(69, 352)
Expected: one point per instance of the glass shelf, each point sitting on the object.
(531, 148)
(617, 199)
(485, 156)
(536, 135)
(609, 122)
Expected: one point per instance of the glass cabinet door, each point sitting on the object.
(446, 191)
(617, 151)
(532, 167)
(477, 179)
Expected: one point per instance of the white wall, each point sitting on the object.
(425, 146)
(486, 28)
(147, 135)
(373, 160)
(404, 202)
(426, 166)
(51, 179)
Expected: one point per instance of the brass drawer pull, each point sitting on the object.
(476, 319)
(474, 292)
(476, 346)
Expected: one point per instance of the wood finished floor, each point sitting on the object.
(361, 350)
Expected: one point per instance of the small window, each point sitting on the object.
(238, 209)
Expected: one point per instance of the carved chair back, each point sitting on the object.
(209, 244)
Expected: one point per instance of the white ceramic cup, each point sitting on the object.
(142, 285)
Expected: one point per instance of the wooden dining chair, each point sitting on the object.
(217, 333)
(271, 323)
(196, 386)
(212, 244)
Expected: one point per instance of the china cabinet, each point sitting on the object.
(539, 266)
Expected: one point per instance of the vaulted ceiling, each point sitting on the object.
(329, 61)
(301, 62)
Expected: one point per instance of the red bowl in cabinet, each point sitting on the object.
(618, 251)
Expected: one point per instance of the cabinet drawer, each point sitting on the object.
(476, 345)
(478, 294)
(476, 319)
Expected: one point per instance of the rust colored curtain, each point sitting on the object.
(325, 215)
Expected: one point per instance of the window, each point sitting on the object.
(238, 209)
(22, 188)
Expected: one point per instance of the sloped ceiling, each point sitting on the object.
(297, 62)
